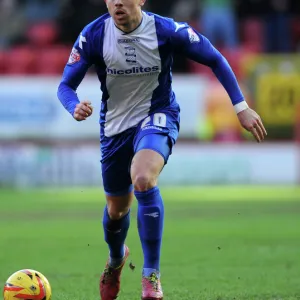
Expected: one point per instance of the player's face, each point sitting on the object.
(125, 12)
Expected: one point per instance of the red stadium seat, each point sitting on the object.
(2, 62)
(19, 60)
(42, 34)
(52, 60)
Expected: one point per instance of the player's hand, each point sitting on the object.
(83, 110)
(251, 121)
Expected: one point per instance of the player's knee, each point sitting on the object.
(143, 182)
(116, 213)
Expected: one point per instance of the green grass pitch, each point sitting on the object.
(220, 243)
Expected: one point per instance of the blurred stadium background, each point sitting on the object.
(50, 175)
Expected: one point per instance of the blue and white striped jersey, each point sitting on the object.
(135, 69)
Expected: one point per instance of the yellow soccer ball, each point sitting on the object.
(27, 284)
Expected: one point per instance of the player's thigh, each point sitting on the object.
(117, 184)
(153, 143)
(117, 153)
(154, 140)
(116, 176)
(152, 152)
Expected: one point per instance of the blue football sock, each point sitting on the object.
(150, 226)
(115, 232)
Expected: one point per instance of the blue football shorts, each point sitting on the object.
(157, 132)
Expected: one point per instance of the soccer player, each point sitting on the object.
(132, 51)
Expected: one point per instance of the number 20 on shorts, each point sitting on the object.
(158, 119)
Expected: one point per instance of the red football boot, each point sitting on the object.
(151, 288)
(110, 279)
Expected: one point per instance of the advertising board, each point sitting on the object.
(29, 108)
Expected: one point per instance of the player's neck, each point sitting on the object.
(133, 24)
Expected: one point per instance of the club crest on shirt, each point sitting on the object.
(74, 57)
(194, 38)
(130, 55)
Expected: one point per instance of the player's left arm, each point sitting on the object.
(187, 41)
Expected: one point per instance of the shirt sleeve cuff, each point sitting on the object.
(240, 106)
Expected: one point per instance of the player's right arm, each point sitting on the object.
(79, 62)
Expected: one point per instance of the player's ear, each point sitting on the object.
(142, 2)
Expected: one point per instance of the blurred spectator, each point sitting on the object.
(218, 22)
(11, 22)
(251, 14)
(184, 11)
(31, 29)
(161, 7)
(295, 8)
(37, 10)
(75, 15)
(249, 9)
(278, 26)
